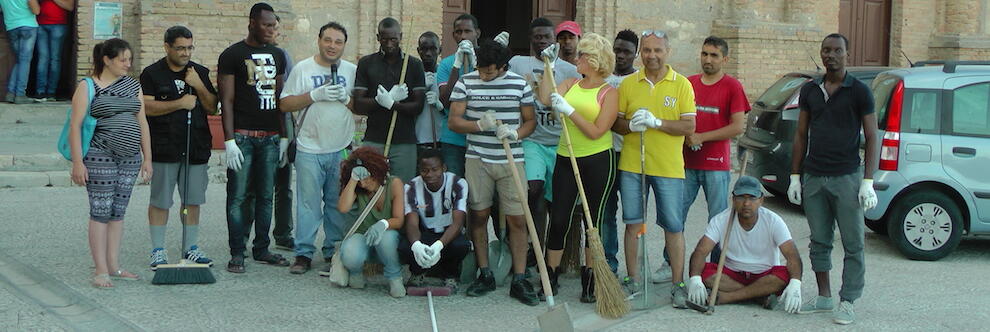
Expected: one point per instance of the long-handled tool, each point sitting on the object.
(643, 302)
(611, 300)
(429, 292)
(391, 126)
(557, 318)
(710, 308)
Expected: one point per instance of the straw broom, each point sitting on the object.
(611, 300)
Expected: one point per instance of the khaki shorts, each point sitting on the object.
(485, 178)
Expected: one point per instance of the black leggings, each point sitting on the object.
(598, 174)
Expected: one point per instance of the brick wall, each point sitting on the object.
(130, 33)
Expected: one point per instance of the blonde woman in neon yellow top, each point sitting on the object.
(589, 107)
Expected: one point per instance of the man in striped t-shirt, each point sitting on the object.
(491, 105)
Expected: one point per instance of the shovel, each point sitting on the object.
(557, 318)
(500, 255)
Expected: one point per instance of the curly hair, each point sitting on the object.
(370, 158)
(599, 52)
(491, 52)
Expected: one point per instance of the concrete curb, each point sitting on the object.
(51, 170)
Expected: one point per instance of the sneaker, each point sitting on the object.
(483, 285)
(679, 296)
(21, 100)
(770, 302)
(356, 280)
(452, 284)
(417, 280)
(396, 289)
(9, 98)
(523, 291)
(817, 304)
(158, 257)
(631, 286)
(843, 315)
(197, 256)
(301, 265)
(662, 275)
(325, 271)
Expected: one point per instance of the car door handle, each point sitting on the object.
(962, 151)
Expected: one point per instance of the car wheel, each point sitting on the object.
(926, 225)
(877, 226)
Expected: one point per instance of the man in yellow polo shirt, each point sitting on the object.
(658, 104)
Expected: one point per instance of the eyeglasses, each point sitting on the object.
(184, 48)
(657, 33)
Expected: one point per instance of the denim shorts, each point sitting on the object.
(667, 192)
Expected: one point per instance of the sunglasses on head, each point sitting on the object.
(657, 33)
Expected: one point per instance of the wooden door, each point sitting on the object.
(451, 10)
(555, 10)
(867, 25)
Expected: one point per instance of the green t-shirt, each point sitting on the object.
(375, 215)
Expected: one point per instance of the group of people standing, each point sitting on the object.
(439, 140)
(35, 26)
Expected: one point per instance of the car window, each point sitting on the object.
(883, 87)
(971, 110)
(781, 91)
(923, 111)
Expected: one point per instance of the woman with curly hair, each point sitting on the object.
(362, 174)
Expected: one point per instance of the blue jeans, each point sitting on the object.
(669, 196)
(716, 186)
(50, 38)
(610, 237)
(317, 192)
(354, 252)
(22, 43)
(260, 160)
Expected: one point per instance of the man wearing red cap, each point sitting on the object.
(568, 34)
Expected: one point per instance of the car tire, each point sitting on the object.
(925, 225)
(877, 226)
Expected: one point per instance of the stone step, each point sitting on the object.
(51, 170)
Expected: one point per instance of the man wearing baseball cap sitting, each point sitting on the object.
(568, 34)
(752, 268)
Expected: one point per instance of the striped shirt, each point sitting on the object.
(504, 95)
(115, 109)
(436, 208)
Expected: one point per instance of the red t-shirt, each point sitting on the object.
(715, 104)
(51, 13)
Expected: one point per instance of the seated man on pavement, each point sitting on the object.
(752, 255)
(435, 211)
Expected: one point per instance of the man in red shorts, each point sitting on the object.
(753, 268)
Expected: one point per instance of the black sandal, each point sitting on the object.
(272, 259)
(236, 265)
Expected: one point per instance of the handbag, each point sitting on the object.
(87, 128)
(291, 150)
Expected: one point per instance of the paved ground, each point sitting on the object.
(45, 231)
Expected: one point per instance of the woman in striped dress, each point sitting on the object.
(114, 159)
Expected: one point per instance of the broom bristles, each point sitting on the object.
(611, 300)
(183, 275)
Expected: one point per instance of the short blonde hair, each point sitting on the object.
(599, 52)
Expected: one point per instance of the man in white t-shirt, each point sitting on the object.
(435, 211)
(752, 268)
(318, 90)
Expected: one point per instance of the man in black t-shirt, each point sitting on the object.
(177, 96)
(250, 78)
(834, 191)
(378, 93)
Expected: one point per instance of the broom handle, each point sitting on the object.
(391, 126)
(537, 249)
(725, 242)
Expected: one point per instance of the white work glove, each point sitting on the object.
(488, 121)
(384, 98)
(550, 54)
(233, 155)
(399, 92)
(283, 152)
(464, 49)
(321, 93)
(373, 235)
(558, 104)
(794, 189)
(506, 132)
(646, 118)
(359, 173)
(696, 290)
(867, 196)
(433, 99)
(696, 147)
(431, 79)
(792, 296)
(419, 252)
(502, 38)
(337, 92)
(435, 250)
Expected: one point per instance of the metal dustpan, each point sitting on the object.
(500, 260)
(556, 319)
(644, 299)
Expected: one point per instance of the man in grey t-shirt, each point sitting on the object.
(541, 147)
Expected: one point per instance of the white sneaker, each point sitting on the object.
(356, 280)
(662, 275)
(396, 289)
